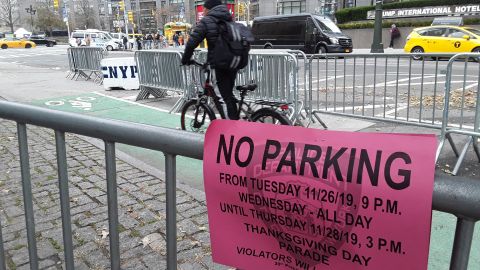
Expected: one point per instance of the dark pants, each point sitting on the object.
(392, 40)
(225, 82)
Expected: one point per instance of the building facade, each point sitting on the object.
(326, 7)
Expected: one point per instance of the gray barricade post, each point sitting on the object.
(462, 111)
(160, 71)
(71, 64)
(85, 62)
(455, 195)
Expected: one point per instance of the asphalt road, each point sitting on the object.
(45, 57)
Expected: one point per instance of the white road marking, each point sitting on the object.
(131, 102)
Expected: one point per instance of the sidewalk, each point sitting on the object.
(141, 197)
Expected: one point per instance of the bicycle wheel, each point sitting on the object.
(195, 117)
(270, 116)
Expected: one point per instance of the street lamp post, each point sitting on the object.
(377, 45)
(31, 11)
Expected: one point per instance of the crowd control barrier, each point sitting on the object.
(456, 195)
(423, 90)
(274, 72)
(160, 71)
(462, 112)
(387, 87)
(85, 62)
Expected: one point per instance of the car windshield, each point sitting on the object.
(473, 30)
(108, 35)
(327, 25)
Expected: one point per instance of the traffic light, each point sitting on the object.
(55, 4)
(130, 16)
(121, 5)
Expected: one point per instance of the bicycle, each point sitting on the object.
(198, 113)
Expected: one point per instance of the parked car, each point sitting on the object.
(443, 39)
(43, 41)
(307, 32)
(12, 42)
(99, 39)
(39, 34)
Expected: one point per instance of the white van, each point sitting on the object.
(98, 39)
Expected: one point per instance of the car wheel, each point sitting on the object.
(476, 50)
(417, 50)
(4, 46)
(109, 48)
(28, 46)
(268, 46)
(321, 49)
(49, 44)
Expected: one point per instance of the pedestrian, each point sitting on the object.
(180, 39)
(163, 42)
(88, 41)
(149, 41)
(175, 40)
(223, 79)
(157, 41)
(139, 42)
(394, 34)
(125, 42)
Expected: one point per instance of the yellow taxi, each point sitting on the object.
(443, 39)
(10, 42)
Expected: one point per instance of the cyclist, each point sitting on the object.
(223, 80)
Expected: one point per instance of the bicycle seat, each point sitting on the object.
(247, 87)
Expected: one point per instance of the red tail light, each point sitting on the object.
(284, 107)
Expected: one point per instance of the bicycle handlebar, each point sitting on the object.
(196, 63)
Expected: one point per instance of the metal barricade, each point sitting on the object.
(275, 73)
(398, 88)
(71, 64)
(462, 112)
(455, 195)
(86, 62)
(160, 71)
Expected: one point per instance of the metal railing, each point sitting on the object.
(274, 72)
(456, 195)
(85, 62)
(159, 71)
(398, 88)
(170, 142)
(462, 111)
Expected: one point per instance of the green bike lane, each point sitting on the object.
(190, 171)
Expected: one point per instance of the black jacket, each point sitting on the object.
(207, 28)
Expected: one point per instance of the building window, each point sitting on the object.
(176, 1)
(291, 7)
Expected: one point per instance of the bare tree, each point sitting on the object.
(47, 20)
(8, 9)
(85, 14)
(166, 14)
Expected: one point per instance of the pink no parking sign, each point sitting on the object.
(283, 197)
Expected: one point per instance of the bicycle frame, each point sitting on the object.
(209, 92)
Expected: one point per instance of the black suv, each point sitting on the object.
(307, 32)
(43, 41)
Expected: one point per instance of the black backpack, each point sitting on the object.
(232, 46)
